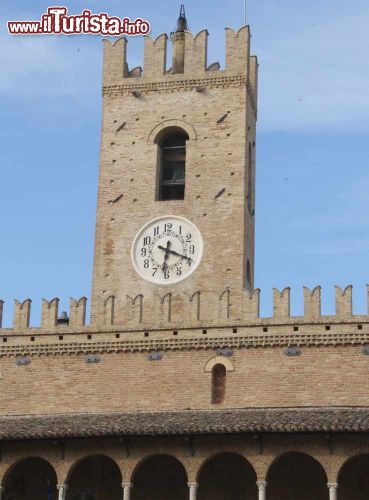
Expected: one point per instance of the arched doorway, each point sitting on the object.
(297, 475)
(30, 479)
(160, 477)
(95, 478)
(353, 479)
(227, 476)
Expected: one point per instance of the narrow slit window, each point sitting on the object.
(218, 384)
(249, 181)
(173, 167)
(248, 275)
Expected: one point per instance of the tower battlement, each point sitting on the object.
(173, 310)
(190, 57)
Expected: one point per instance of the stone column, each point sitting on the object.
(1, 491)
(127, 490)
(62, 488)
(193, 487)
(332, 491)
(262, 489)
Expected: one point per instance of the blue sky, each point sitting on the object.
(312, 204)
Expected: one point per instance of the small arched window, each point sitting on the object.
(218, 384)
(249, 181)
(172, 158)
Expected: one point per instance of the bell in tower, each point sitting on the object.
(178, 41)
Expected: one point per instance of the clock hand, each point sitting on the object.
(179, 255)
(174, 253)
(166, 256)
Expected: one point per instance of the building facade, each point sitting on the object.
(177, 388)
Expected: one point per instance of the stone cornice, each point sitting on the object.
(190, 343)
(166, 85)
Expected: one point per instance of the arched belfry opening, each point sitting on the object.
(172, 165)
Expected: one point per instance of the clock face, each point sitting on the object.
(167, 250)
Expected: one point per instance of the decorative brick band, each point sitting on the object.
(144, 345)
(235, 81)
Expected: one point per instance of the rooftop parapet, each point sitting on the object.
(199, 308)
(312, 304)
(190, 57)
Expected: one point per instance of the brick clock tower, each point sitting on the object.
(175, 217)
(177, 388)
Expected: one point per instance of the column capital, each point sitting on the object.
(193, 485)
(262, 484)
(62, 486)
(332, 486)
(127, 485)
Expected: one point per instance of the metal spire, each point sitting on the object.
(182, 21)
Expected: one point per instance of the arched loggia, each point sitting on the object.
(96, 477)
(30, 479)
(227, 476)
(160, 477)
(296, 475)
(353, 479)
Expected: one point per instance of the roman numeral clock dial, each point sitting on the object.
(167, 250)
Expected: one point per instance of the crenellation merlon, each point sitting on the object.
(140, 311)
(251, 305)
(343, 301)
(115, 66)
(49, 317)
(77, 312)
(281, 303)
(155, 56)
(238, 50)
(22, 314)
(312, 302)
(196, 53)
(190, 54)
